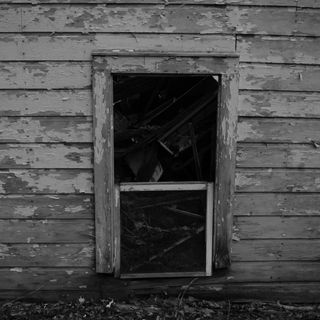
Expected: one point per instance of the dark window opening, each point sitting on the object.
(164, 128)
(165, 131)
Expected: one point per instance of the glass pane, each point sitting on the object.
(163, 231)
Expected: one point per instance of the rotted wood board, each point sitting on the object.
(45, 181)
(294, 50)
(281, 204)
(279, 77)
(45, 102)
(79, 47)
(86, 278)
(46, 129)
(279, 104)
(271, 3)
(46, 156)
(47, 255)
(50, 296)
(278, 130)
(278, 180)
(46, 207)
(44, 75)
(160, 19)
(284, 292)
(281, 3)
(276, 227)
(60, 75)
(251, 155)
(276, 250)
(46, 231)
(84, 18)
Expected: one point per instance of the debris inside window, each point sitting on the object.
(164, 131)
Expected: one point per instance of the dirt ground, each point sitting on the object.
(158, 308)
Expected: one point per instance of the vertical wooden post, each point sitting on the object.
(103, 166)
(225, 168)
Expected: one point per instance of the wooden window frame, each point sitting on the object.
(105, 64)
(167, 186)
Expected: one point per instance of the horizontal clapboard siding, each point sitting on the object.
(81, 255)
(46, 156)
(46, 139)
(75, 279)
(80, 47)
(298, 50)
(278, 180)
(44, 129)
(279, 77)
(47, 255)
(280, 204)
(278, 130)
(46, 231)
(44, 75)
(44, 181)
(45, 103)
(281, 3)
(277, 227)
(59, 75)
(276, 250)
(279, 104)
(160, 19)
(250, 155)
(46, 207)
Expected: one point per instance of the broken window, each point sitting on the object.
(164, 131)
(164, 162)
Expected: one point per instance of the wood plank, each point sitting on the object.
(284, 292)
(291, 204)
(251, 155)
(86, 278)
(162, 186)
(295, 50)
(48, 279)
(46, 207)
(276, 250)
(84, 18)
(79, 47)
(47, 255)
(46, 129)
(278, 130)
(281, 3)
(278, 180)
(53, 296)
(225, 169)
(45, 181)
(45, 102)
(45, 156)
(279, 104)
(275, 21)
(46, 231)
(44, 75)
(276, 227)
(160, 19)
(168, 62)
(271, 3)
(103, 144)
(279, 77)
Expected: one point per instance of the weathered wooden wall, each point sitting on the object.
(46, 180)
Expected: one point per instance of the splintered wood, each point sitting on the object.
(164, 131)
